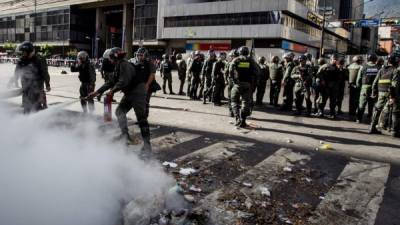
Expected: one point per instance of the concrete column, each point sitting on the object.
(127, 29)
(101, 29)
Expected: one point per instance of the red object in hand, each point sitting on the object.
(108, 108)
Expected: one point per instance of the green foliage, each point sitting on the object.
(72, 53)
(9, 46)
(46, 50)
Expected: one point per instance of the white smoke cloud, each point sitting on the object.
(55, 174)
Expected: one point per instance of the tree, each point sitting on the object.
(9, 47)
(46, 50)
(72, 53)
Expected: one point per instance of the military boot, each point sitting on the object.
(396, 125)
(360, 114)
(374, 122)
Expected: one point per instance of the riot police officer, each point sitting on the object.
(134, 90)
(343, 74)
(302, 77)
(194, 69)
(243, 71)
(316, 86)
(166, 74)
(276, 75)
(262, 80)
(206, 76)
(365, 79)
(34, 75)
(87, 77)
(182, 67)
(288, 82)
(218, 80)
(386, 88)
(354, 94)
(229, 79)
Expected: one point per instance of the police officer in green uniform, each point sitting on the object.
(182, 67)
(302, 77)
(195, 68)
(166, 74)
(134, 90)
(328, 75)
(243, 70)
(316, 85)
(365, 78)
(218, 80)
(386, 88)
(354, 91)
(276, 75)
(229, 79)
(207, 76)
(342, 77)
(288, 82)
(188, 73)
(262, 80)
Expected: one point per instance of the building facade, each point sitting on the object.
(270, 27)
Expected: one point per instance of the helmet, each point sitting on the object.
(335, 57)
(82, 55)
(275, 59)
(106, 54)
(380, 61)
(222, 55)
(393, 59)
(309, 56)
(302, 58)
(211, 54)
(234, 53)
(25, 46)
(197, 52)
(117, 53)
(244, 51)
(342, 61)
(357, 58)
(321, 61)
(372, 58)
(142, 51)
(179, 56)
(261, 59)
(288, 55)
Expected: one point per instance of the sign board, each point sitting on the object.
(369, 23)
(315, 18)
(294, 47)
(386, 22)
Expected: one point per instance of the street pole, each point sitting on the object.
(321, 48)
(34, 21)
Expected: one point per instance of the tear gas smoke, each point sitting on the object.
(68, 175)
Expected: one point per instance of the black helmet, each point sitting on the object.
(275, 59)
(321, 61)
(261, 59)
(82, 55)
(309, 56)
(142, 51)
(393, 59)
(357, 58)
(179, 56)
(25, 46)
(372, 58)
(222, 55)
(335, 57)
(380, 61)
(302, 58)
(117, 53)
(165, 56)
(234, 53)
(244, 51)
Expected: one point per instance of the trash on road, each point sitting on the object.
(195, 189)
(288, 140)
(287, 169)
(326, 147)
(265, 191)
(170, 164)
(247, 184)
(187, 171)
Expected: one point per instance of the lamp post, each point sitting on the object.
(321, 48)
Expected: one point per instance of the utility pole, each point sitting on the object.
(321, 48)
(34, 21)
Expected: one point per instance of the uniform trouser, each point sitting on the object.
(207, 92)
(383, 97)
(194, 86)
(365, 98)
(230, 86)
(84, 91)
(261, 86)
(167, 77)
(217, 89)
(182, 78)
(189, 84)
(136, 99)
(301, 94)
(316, 93)
(241, 99)
(274, 91)
(328, 92)
(288, 96)
(31, 97)
(340, 96)
(353, 99)
(149, 93)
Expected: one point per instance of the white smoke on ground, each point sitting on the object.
(54, 173)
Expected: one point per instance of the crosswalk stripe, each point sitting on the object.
(168, 141)
(216, 152)
(261, 175)
(356, 197)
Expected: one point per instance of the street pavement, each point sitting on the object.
(275, 172)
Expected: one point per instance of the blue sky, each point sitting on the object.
(388, 8)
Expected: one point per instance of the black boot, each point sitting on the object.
(360, 114)
(374, 122)
(395, 125)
